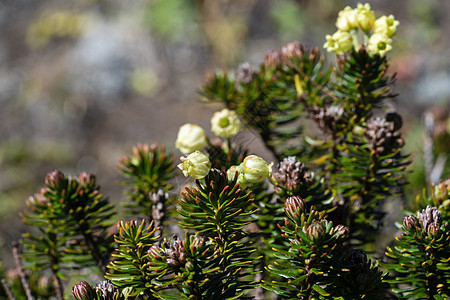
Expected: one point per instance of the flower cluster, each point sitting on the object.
(377, 32)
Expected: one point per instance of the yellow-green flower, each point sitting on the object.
(386, 25)
(379, 44)
(346, 19)
(225, 123)
(196, 165)
(339, 43)
(190, 138)
(365, 17)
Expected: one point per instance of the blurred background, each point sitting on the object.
(82, 81)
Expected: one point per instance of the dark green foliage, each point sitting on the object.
(217, 209)
(420, 257)
(312, 242)
(371, 168)
(353, 276)
(148, 170)
(72, 217)
(130, 268)
(187, 266)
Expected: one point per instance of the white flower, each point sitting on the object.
(386, 25)
(254, 169)
(225, 123)
(196, 165)
(379, 44)
(365, 16)
(346, 19)
(340, 42)
(190, 138)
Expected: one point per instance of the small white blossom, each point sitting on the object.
(190, 138)
(225, 123)
(196, 165)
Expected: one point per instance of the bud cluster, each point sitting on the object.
(328, 118)
(245, 73)
(174, 252)
(107, 290)
(290, 53)
(430, 219)
(382, 136)
(291, 174)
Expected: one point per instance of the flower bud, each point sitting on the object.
(271, 60)
(341, 231)
(107, 290)
(379, 44)
(86, 179)
(291, 50)
(316, 231)
(231, 172)
(386, 25)
(294, 207)
(55, 180)
(410, 223)
(365, 16)
(254, 169)
(196, 165)
(83, 291)
(339, 43)
(433, 229)
(190, 138)
(225, 123)
(346, 19)
(441, 191)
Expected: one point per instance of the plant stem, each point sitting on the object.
(58, 285)
(19, 267)
(8, 290)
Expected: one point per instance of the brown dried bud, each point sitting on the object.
(55, 180)
(382, 135)
(175, 252)
(410, 223)
(327, 118)
(428, 216)
(83, 291)
(245, 73)
(107, 291)
(291, 173)
(294, 207)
